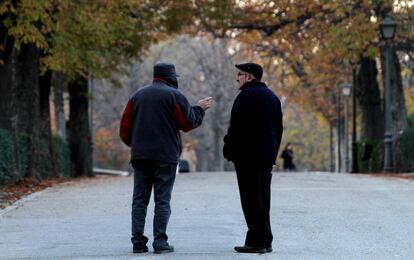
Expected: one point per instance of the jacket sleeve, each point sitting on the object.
(126, 124)
(187, 117)
(279, 126)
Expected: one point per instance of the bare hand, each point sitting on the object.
(276, 167)
(205, 103)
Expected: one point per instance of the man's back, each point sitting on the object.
(155, 134)
(157, 114)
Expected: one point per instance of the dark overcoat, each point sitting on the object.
(256, 126)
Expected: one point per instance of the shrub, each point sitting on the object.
(370, 156)
(8, 170)
(64, 164)
(14, 155)
(405, 153)
(411, 120)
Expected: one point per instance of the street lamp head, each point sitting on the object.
(387, 28)
(346, 89)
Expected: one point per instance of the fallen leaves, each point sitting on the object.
(13, 192)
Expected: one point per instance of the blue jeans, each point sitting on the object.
(161, 176)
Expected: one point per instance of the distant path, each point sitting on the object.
(314, 216)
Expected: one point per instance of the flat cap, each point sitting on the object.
(255, 69)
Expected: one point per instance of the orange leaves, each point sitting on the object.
(354, 36)
(107, 152)
(103, 139)
(319, 40)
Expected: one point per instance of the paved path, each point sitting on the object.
(314, 216)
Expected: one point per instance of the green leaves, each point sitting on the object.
(82, 37)
(23, 21)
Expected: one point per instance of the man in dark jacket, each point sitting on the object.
(150, 125)
(252, 143)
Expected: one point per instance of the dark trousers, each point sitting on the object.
(161, 176)
(254, 181)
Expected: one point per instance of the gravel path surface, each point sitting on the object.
(314, 216)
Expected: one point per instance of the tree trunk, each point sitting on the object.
(8, 115)
(78, 129)
(6, 72)
(331, 146)
(398, 109)
(59, 105)
(369, 99)
(24, 104)
(45, 84)
(218, 136)
(27, 103)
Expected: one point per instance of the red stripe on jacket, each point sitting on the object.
(162, 80)
(181, 120)
(126, 123)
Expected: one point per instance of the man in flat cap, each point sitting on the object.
(150, 125)
(252, 143)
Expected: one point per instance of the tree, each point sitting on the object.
(319, 39)
(76, 39)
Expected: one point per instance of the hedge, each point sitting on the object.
(370, 156)
(405, 153)
(14, 157)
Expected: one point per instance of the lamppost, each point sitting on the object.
(346, 91)
(354, 168)
(338, 120)
(387, 28)
(332, 151)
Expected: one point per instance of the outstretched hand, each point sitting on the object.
(205, 103)
(276, 167)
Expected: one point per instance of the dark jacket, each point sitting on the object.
(287, 156)
(152, 119)
(256, 125)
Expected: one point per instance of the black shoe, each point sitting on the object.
(139, 249)
(250, 249)
(164, 249)
(269, 249)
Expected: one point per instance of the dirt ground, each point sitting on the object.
(26, 186)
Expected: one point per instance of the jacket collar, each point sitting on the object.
(164, 81)
(255, 82)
